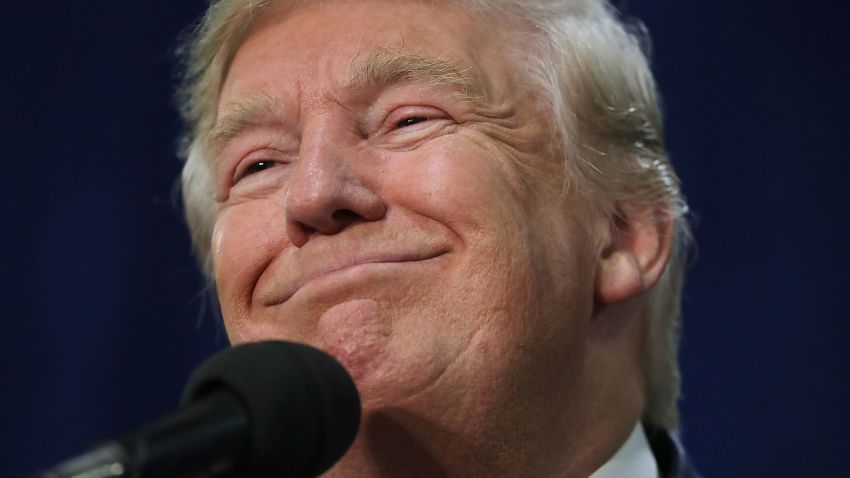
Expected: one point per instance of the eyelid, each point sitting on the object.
(413, 111)
(269, 155)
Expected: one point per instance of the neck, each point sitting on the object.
(397, 442)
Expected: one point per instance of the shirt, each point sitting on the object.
(633, 460)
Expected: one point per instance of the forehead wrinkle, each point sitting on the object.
(253, 110)
(380, 66)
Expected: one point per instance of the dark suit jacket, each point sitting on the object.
(669, 454)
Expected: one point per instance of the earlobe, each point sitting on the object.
(638, 244)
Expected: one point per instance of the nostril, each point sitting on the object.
(344, 215)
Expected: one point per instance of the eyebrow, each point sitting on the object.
(252, 111)
(377, 68)
(382, 66)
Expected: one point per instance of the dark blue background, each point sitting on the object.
(102, 310)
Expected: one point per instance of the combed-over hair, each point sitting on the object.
(589, 67)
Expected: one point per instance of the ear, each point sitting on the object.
(638, 244)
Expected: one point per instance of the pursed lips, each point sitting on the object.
(319, 269)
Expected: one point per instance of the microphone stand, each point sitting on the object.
(209, 435)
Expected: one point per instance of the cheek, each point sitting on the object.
(463, 187)
(245, 239)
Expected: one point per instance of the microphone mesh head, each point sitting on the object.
(303, 406)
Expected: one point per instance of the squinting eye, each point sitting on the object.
(257, 167)
(254, 168)
(410, 121)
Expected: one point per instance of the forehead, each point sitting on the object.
(330, 45)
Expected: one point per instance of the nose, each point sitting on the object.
(325, 197)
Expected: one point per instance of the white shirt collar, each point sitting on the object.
(633, 460)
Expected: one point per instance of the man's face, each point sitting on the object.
(388, 191)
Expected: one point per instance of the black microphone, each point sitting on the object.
(256, 410)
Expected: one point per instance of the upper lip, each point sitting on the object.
(298, 270)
